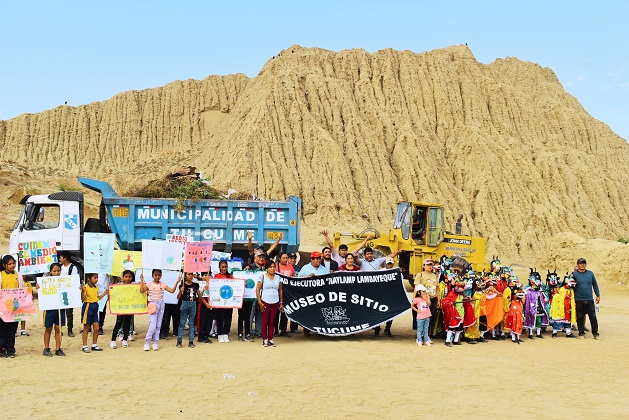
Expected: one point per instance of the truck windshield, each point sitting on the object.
(43, 217)
(403, 219)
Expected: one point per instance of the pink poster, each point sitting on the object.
(16, 305)
(198, 257)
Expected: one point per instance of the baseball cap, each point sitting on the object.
(315, 254)
(420, 288)
(389, 260)
(258, 252)
(427, 261)
(581, 261)
(292, 255)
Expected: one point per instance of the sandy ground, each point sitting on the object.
(325, 377)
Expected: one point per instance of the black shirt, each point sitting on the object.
(190, 292)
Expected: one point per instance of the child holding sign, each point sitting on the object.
(89, 312)
(10, 279)
(53, 318)
(156, 305)
(123, 321)
(189, 295)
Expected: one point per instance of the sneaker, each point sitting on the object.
(47, 352)
(449, 344)
(86, 349)
(155, 347)
(539, 336)
(240, 337)
(457, 343)
(59, 352)
(179, 345)
(112, 345)
(100, 331)
(125, 344)
(225, 338)
(96, 348)
(119, 338)
(147, 347)
(11, 356)
(248, 337)
(131, 338)
(191, 344)
(597, 337)
(70, 333)
(24, 332)
(221, 339)
(215, 335)
(428, 344)
(554, 335)
(265, 343)
(531, 337)
(271, 343)
(419, 344)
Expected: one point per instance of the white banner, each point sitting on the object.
(59, 292)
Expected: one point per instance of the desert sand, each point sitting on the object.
(325, 377)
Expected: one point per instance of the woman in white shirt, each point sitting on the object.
(270, 299)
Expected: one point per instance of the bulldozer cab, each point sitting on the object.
(421, 223)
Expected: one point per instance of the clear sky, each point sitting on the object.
(86, 51)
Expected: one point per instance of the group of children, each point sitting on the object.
(472, 305)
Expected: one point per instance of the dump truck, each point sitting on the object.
(60, 216)
(418, 230)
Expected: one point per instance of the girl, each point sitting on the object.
(189, 296)
(421, 305)
(269, 293)
(349, 264)
(89, 312)
(223, 316)
(123, 321)
(10, 279)
(52, 319)
(155, 290)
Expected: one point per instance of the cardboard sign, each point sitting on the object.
(162, 254)
(179, 238)
(99, 252)
(126, 299)
(198, 257)
(59, 292)
(16, 305)
(36, 257)
(227, 293)
(125, 260)
(251, 280)
(168, 277)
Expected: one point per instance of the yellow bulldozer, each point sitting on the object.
(418, 230)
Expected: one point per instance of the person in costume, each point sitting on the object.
(493, 302)
(563, 308)
(458, 313)
(514, 316)
(477, 331)
(535, 312)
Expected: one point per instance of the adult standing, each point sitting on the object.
(428, 278)
(259, 265)
(388, 265)
(270, 300)
(369, 263)
(283, 267)
(340, 254)
(349, 264)
(327, 260)
(586, 282)
(314, 268)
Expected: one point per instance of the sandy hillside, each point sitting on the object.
(352, 133)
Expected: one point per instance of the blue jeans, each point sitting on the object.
(188, 314)
(422, 330)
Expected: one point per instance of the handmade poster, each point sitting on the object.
(227, 293)
(59, 292)
(103, 283)
(344, 303)
(178, 238)
(99, 252)
(162, 254)
(168, 277)
(125, 260)
(251, 279)
(126, 299)
(36, 257)
(197, 257)
(16, 305)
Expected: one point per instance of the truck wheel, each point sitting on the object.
(92, 225)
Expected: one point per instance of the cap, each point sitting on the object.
(581, 261)
(389, 260)
(427, 261)
(420, 288)
(315, 254)
(258, 252)
(292, 255)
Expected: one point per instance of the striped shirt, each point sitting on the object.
(156, 291)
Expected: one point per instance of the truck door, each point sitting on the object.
(40, 221)
(435, 225)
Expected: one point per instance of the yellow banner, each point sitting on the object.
(126, 299)
(125, 260)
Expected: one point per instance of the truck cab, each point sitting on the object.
(419, 223)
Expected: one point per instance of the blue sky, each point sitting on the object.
(84, 51)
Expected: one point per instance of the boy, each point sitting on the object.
(89, 312)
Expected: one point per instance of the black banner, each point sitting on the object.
(345, 302)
